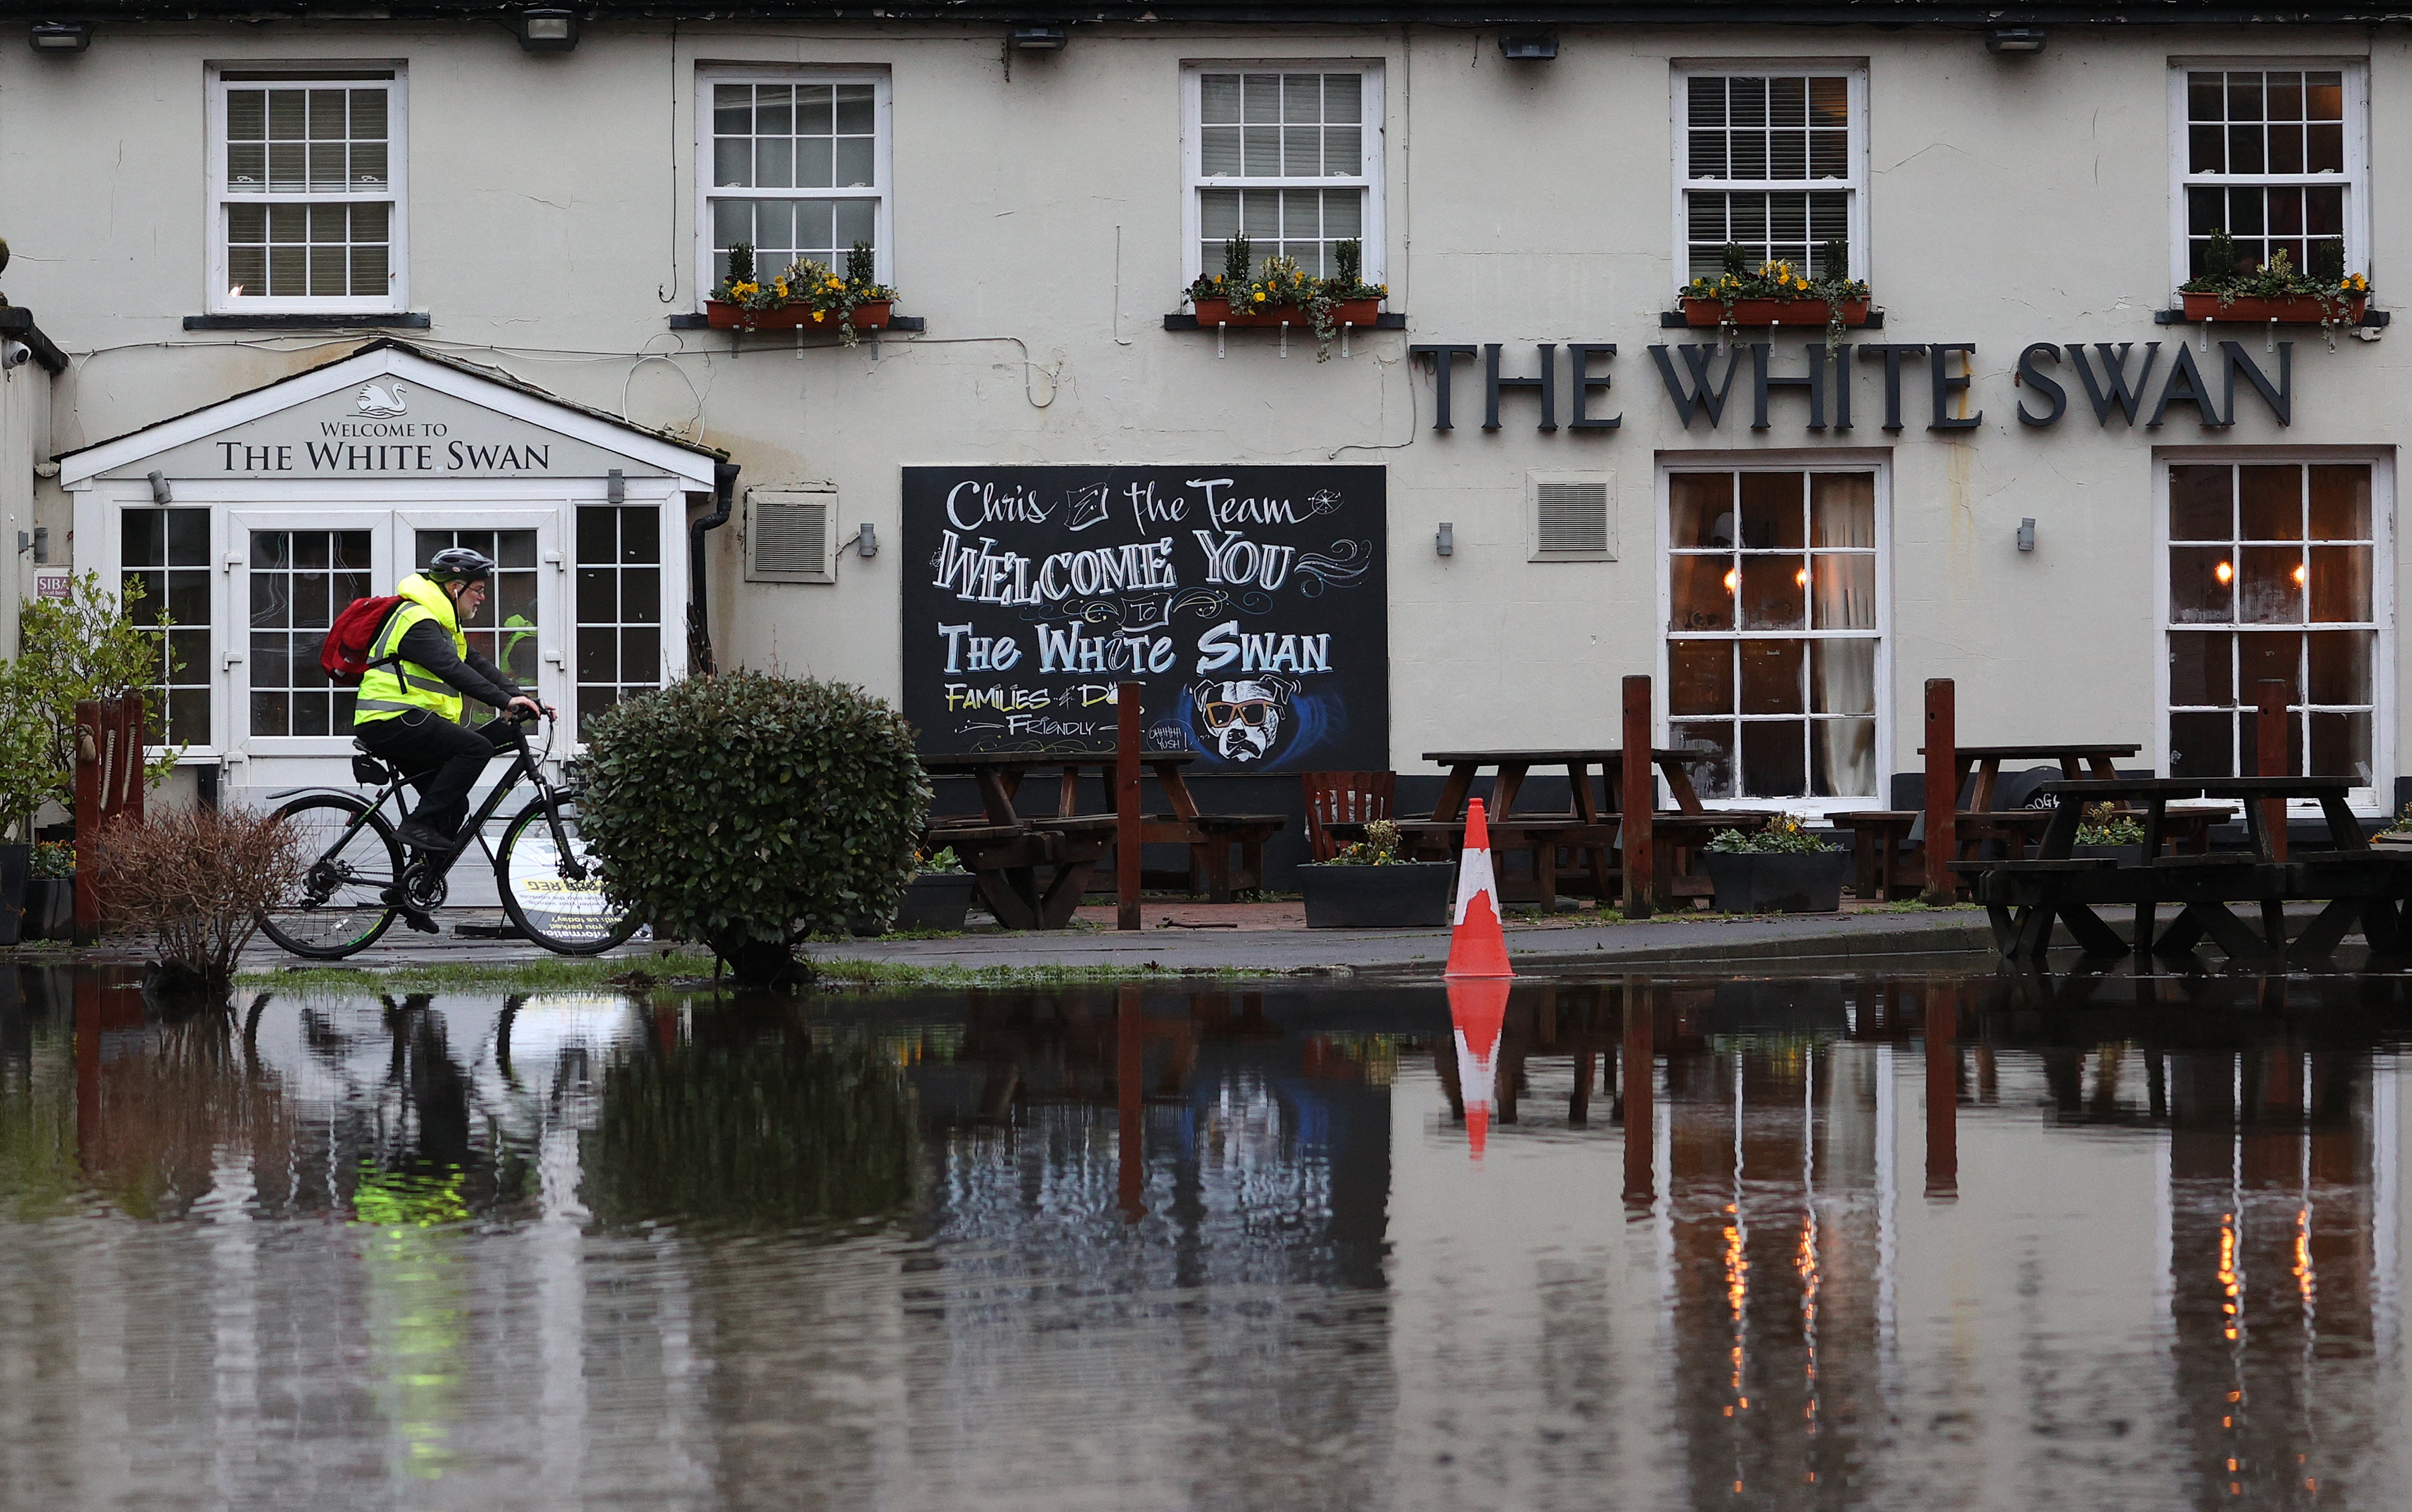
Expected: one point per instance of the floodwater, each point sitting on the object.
(1912, 1240)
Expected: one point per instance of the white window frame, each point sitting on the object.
(1679, 89)
(883, 187)
(1374, 235)
(2380, 798)
(1662, 717)
(2357, 155)
(216, 299)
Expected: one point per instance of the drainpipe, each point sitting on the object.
(698, 620)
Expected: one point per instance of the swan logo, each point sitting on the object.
(380, 401)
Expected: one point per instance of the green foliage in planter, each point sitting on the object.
(945, 863)
(2106, 826)
(91, 644)
(53, 862)
(753, 810)
(1380, 846)
(1779, 280)
(1281, 284)
(1784, 835)
(2226, 274)
(768, 1132)
(2401, 824)
(806, 282)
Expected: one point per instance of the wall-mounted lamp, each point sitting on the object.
(866, 542)
(1531, 47)
(2026, 535)
(1444, 540)
(160, 494)
(1036, 38)
(615, 486)
(37, 541)
(547, 29)
(2014, 40)
(60, 36)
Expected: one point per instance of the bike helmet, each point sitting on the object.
(459, 563)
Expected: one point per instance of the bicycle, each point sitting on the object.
(357, 883)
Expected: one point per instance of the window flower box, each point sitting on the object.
(1699, 312)
(2286, 310)
(871, 315)
(1213, 312)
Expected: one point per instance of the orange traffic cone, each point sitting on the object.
(1476, 1009)
(1478, 947)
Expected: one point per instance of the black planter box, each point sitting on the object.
(49, 908)
(2124, 855)
(1406, 895)
(15, 862)
(935, 901)
(1777, 882)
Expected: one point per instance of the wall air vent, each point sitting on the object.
(1571, 518)
(787, 534)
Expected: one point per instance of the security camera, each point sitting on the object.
(14, 355)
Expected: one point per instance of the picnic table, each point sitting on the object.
(1591, 829)
(1007, 850)
(2356, 884)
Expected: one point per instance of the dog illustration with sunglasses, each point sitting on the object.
(1242, 721)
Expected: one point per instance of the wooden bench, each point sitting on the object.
(1210, 838)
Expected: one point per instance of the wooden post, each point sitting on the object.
(1942, 1091)
(1126, 821)
(1639, 1099)
(2269, 750)
(1639, 796)
(1942, 792)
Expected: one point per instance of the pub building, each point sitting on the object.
(334, 287)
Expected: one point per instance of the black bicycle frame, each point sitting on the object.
(523, 764)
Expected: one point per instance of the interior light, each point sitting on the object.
(1800, 579)
(1733, 579)
(1038, 38)
(2300, 574)
(547, 29)
(2015, 40)
(60, 35)
(2224, 573)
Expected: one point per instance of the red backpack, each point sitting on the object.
(345, 653)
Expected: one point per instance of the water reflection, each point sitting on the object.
(1865, 1241)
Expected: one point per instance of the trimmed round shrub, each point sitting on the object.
(748, 811)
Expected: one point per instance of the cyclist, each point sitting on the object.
(420, 667)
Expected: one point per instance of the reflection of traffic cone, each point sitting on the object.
(1478, 947)
(1475, 1010)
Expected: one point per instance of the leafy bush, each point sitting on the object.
(53, 862)
(1784, 835)
(2106, 826)
(198, 881)
(92, 644)
(748, 811)
(29, 774)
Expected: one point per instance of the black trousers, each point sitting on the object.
(442, 759)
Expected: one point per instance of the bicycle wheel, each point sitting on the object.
(556, 899)
(339, 906)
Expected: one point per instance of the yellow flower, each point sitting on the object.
(818, 315)
(1260, 299)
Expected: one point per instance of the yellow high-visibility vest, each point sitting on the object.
(393, 688)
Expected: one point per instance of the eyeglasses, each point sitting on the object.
(1256, 714)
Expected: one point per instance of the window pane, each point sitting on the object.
(1218, 98)
(1843, 592)
(2249, 743)
(1843, 757)
(1343, 98)
(1701, 590)
(1771, 676)
(1843, 509)
(2201, 585)
(1773, 511)
(1700, 677)
(2274, 656)
(2340, 584)
(2341, 503)
(2201, 668)
(2270, 585)
(1708, 747)
(1775, 758)
(1774, 592)
(2341, 747)
(2202, 745)
(1701, 510)
(2339, 666)
(1843, 676)
(2200, 507)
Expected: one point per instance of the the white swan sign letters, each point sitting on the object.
(388, 427)
(1249, 601)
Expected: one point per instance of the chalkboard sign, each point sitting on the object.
(1252, 602)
